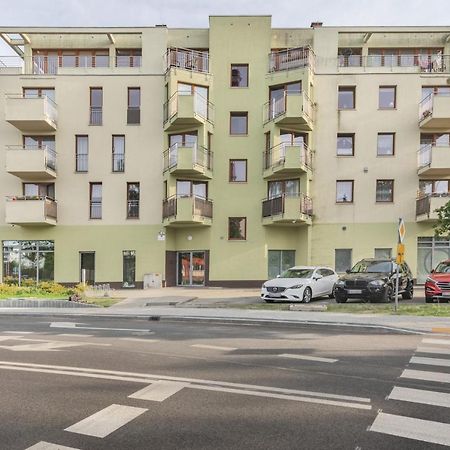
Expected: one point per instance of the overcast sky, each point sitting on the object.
(194, 13)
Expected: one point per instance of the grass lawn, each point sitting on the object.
(105, 302)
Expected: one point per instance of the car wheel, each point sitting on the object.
(409, 292)
(388, 295)
(429, 300)
(331, 294)
(307, 295)
(340, 299)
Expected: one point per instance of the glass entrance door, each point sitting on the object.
(87, 267)
(191, 268)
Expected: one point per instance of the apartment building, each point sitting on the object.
(220, 156)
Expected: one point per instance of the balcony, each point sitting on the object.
(426, 206)
(295, 110)
(434, 111)
(30, 211)
(291, 59)
(291, 210)
(188, 160)
(187, 59)
(287, 160)
(187, 110)
(434, 161)
(30, 162)
(30, 114)
(179, 211)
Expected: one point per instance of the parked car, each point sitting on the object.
(300, 284)
(373, 279)
(437, 285)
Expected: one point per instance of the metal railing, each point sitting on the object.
(423, 63)
(426, 105)
(96, 115)
(82, 162)
(118, 162)
(50, 110)
(293, 58)
(276, 155)
(202, 207)
(277, 107)
(95, 208)
(187, 59)
(133, 209)
(275, 206)
(49, 153)
(201, 156)
(128, 61)
(50, 205)
(202, 106)
(423, 201)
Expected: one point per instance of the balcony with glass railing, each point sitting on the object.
(287, 209)
(433, 160)
(294, 109)
(31, 113)
(188, 159)
(434, 111)
(187, 210)
(427, 204)
(187, 109)
(30, 210)
(31, 162)
(287, 159)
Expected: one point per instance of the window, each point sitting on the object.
(95, 200)
(118, 153)
(134, 106)
(96, 106)
(188, 139)
(434, 187)
(238, 171)
(39, 190)
(437, 139)
(128, 57)
(279, 261)
(383, 253)
(237, 228)
(39, 92)
(239, 75)
(239, 123)
(290, 188)
(342, 259)
(345, 144)
(129, 268)
(346, 97)
(187, 188)
(87, 267)
(278, 97)
(386, 144)
(133, 193)
(293, 138)
(387, 97)
(385, 191)
(350, 57)
(344, 191)
(81, 153)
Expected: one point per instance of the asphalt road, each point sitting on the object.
(139, 384)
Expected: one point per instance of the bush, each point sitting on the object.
(29, 288)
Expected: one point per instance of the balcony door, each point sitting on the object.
(191, 268)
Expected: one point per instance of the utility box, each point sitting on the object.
(152, 280)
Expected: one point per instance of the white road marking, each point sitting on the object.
(42, 347)
(48, 446)
(439, 377)
(159, 391)
(9, 338)
(408, 427)
(18, 332)
(104, 422)
(75, 335)
(436, 350)
(213, 347)
(146, 341)
(308, 358)
(430, 361)
(73, 325)
(420, 396)
(436, 341)
(150, 378)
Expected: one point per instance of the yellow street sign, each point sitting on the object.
(401, 230)
(400, 254)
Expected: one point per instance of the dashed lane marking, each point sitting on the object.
(145, 341)
(159, 391)
(213, 347)
(308, 358)
(75, 335)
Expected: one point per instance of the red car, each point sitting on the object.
(437, 285)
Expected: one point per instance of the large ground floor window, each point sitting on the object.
(430, 251)
(28, 260)
(279, 261)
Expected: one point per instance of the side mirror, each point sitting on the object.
(432, 271)
(278, 276)
(347, 271)
(318, 277)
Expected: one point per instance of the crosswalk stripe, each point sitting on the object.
(439, 377)
(213, 347)
(436, 341)
(307, 358)
(75, 335)
(435, 350)
(49, 446)
(420, 396)
(159, 391)
(146, 341)
(408, 427)
(104, 422)
(430, 361)
(18, 332)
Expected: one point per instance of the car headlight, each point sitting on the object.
(430, 280)
(296, 286)
(340, 283)
(263, 286)
(376, 283)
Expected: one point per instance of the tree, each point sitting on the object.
(442, 227)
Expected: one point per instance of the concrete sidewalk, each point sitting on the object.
(400, 323)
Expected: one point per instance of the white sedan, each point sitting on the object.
(300, 284)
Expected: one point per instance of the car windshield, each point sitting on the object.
(443, 267)
(372, 267)
(297, 273)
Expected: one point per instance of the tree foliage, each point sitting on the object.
(442, 227)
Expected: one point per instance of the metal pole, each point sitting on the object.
(396, 289)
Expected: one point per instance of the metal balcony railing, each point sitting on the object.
(133, 209)
(95, 208)
(277, 107)
(276, 155)
(187, 59)
(202, 207)
(202, 106)
(49, 153)
(118, 162)
(293, 58)
(82, 162)
(96, 115)
(50, 205)
(275, 206)
(201, 156)
(423, 201)
(426, 105)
